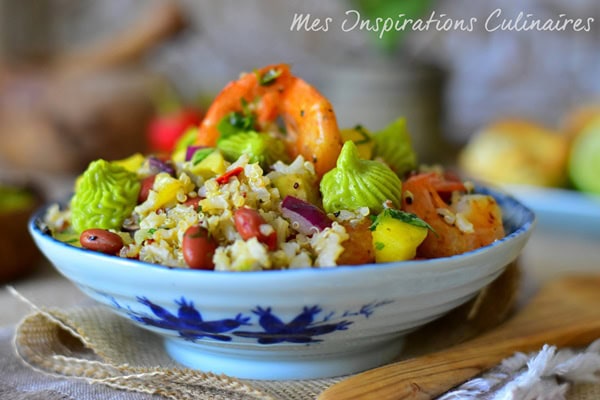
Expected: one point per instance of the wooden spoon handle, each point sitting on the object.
(157, 24)
(432, 375)
(556, 317)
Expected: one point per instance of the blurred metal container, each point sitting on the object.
(373, 93)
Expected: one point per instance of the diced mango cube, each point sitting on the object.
(297, 185)
(362, 139)
(214, 164)
(167, 190)
(131, 163)
(397, 239)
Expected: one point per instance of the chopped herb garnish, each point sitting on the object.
(245, 107)
(151, 231)
(379, 246)
(366, 137)
(269, 77)
(241, 121)
(234, 123)
(201, 154)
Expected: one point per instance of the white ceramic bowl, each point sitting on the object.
(294, 324)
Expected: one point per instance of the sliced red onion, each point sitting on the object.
(157, 165)
(191, 150)
(306, 218)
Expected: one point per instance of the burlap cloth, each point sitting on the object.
(89, 353)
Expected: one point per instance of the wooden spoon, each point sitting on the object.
(564, 313)
(158, 23)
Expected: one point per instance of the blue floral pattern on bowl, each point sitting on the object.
(302, 328)
(188, 321)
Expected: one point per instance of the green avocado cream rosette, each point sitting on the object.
(261, 147)
(393, 144)
(356, 183)
(104, 196)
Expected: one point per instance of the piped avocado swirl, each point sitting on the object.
(105, 195)
(356, 183)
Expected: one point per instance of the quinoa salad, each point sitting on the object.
(267, 181)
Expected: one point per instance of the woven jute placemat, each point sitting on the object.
(99, 347)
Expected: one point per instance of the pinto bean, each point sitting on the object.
(198, 248)
(146, 184)
(248, 224)
(101, 240)
(193, 202)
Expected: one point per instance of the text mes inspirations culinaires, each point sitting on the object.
(495, 21)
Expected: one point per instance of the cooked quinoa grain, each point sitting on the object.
(160, 221)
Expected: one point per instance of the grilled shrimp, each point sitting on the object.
(358, 249)
(461, 222)
(311, 125)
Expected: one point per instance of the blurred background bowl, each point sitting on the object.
(19, 254)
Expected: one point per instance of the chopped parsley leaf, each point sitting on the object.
(234, 123)
(366, 137)
(201, 154)
(269, 77)
(400, 215)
